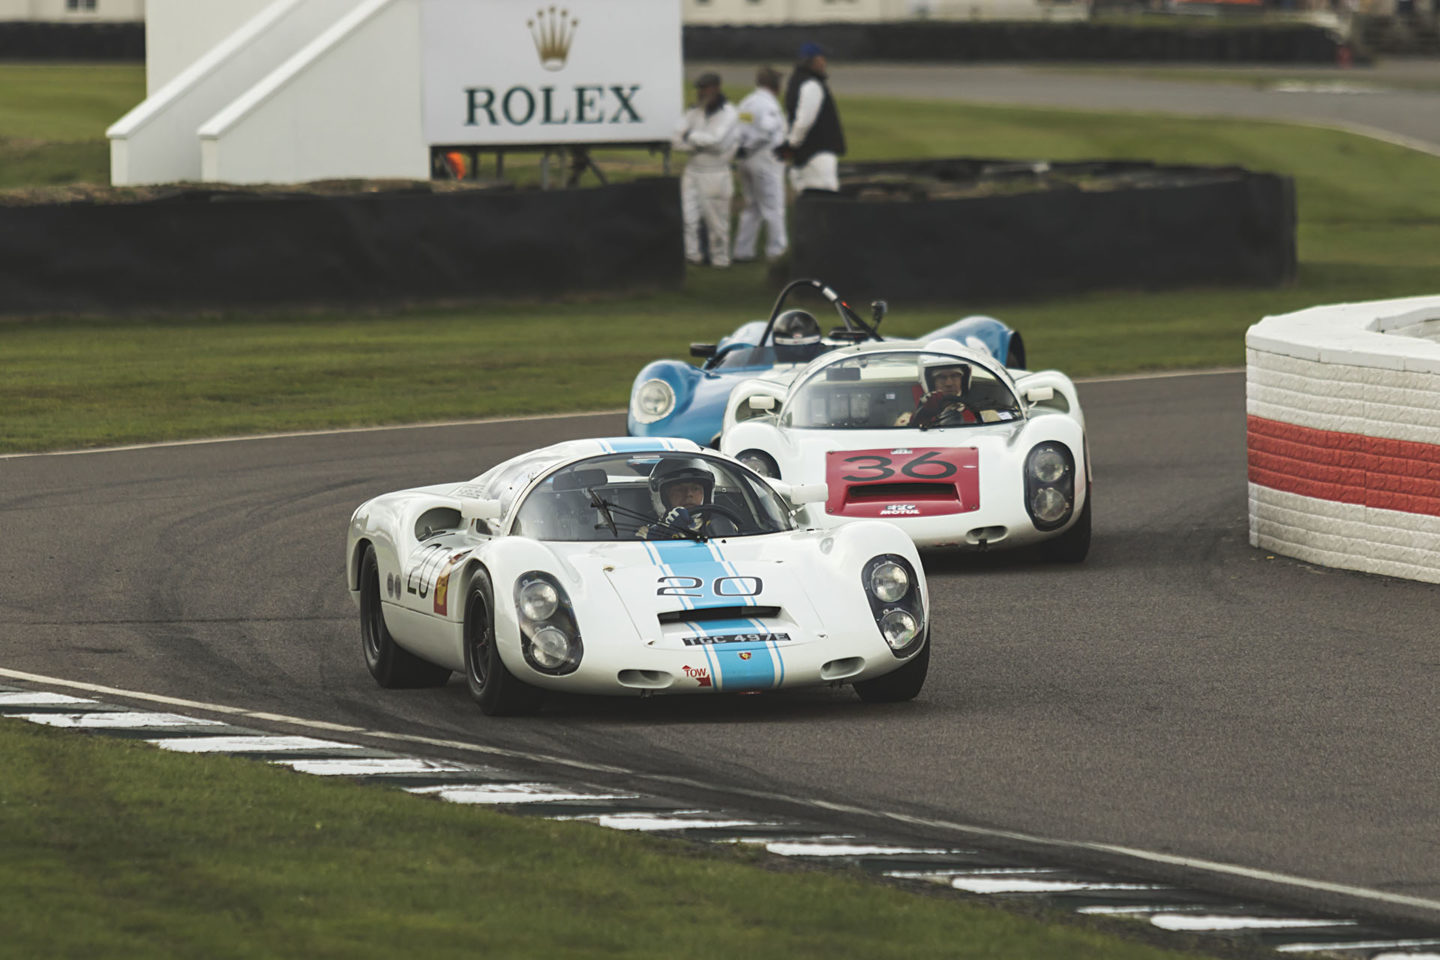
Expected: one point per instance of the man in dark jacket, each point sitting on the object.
(815, 141)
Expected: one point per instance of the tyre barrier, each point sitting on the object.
(965, 228)
(231, 248)
(1343, 436)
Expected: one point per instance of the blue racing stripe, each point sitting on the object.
(746, 666)
(637, 444)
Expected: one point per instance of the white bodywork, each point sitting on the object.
(812, 620)
(983, 501)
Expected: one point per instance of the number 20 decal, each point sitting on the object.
(722, 587)
(923, 467)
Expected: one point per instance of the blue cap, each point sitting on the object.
(808, 50)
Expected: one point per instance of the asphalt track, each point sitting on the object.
(1180, 692)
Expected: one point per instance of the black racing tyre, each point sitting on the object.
(1072, 545)
(901, 684)
(392, 666)
(491, 684)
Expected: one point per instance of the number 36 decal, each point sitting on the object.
(722, 587)
(878, 467)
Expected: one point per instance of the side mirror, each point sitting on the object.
(878, 309)
(703, 350)
(761, 403)
(1039, 394)
(472, 509)
(803, 493)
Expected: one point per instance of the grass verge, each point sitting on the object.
(115, 849)
(1369, 228)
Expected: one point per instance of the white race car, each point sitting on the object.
(631, 566)
(938, 438)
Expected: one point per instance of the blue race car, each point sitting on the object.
(672, 398)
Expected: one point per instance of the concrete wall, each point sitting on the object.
(346, 105)
(1343, 408)
(158, 141)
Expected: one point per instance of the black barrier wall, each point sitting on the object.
(38, 40)
(923, 40)
(941, 40)
(1177, 227)
(226, 249)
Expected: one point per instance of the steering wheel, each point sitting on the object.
(933, 406)
(707, 510)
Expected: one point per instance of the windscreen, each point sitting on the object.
(629, 497)
(900, 390)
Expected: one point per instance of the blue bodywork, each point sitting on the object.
(701, 393)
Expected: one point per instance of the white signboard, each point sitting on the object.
(500, 72)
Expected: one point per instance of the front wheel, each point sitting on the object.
(491, 684)
(898, 685)
(392, 666)
(1074, 544)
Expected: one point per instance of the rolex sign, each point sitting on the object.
(500, 72)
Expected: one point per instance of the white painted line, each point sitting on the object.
(314, 433)
(242, 743)
(649, 822)
(129, 720)
(1214, 922)
(39, 698)
(497, 793)
(787, 848)
(1407, 955)
(1021, 885)
(1153, 908)
(374, 766)
(909, 820)
(946, 875)
(1161, 375)
(1363, 945)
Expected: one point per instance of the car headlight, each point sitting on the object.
(899, 627)
(1050, 484)
(761, 462)
(1047, 465)
(889, 582)
(550, 647)
(549, 635)
(538, 600)
(653, 400)
(898, 609)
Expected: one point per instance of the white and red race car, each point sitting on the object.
(631, 566)
(938, 438)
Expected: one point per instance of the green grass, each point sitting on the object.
(1369, 228)
(114, 849)
(53, 119)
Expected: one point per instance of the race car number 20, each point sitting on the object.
(673, 586)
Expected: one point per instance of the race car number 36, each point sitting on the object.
(930, 480)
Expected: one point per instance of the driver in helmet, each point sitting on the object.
(797, 337)
(946, 383)
(682, 490)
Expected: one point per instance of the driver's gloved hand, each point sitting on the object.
(681, 519)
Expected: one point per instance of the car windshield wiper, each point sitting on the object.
(610, 511)
(600, 504)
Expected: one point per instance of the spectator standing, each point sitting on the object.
(762, 175)
(709, 132)
(816, 140)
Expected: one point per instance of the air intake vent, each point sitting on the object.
(890, 492)
(703, 614)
